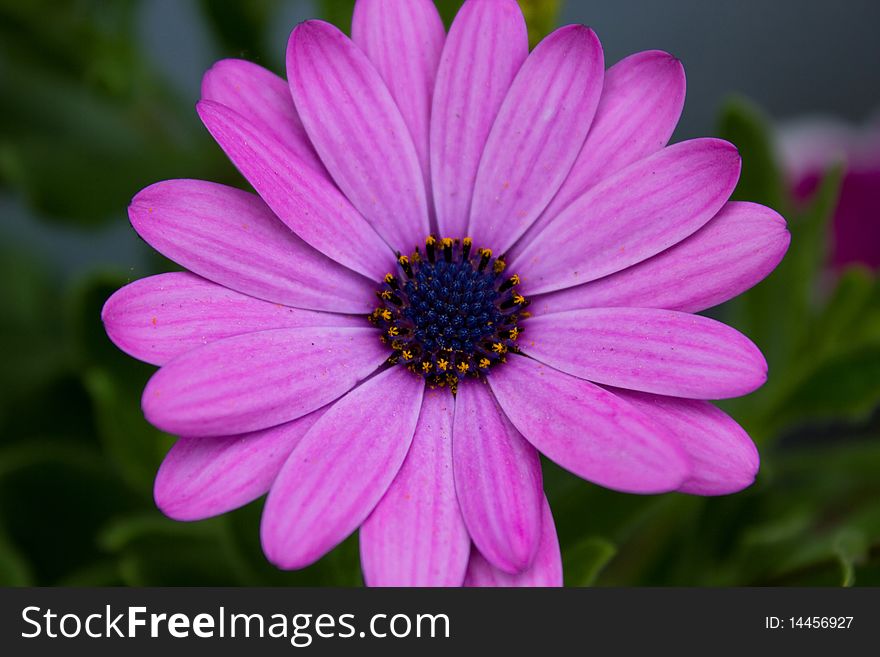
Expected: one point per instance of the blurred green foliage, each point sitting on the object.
(91, 120)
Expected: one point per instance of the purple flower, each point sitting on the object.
(348, 342)
(808, 149)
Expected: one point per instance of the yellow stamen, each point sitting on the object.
(442, 364)
(498, 348)
(403, 259)
(430, 239)
(386, 294)
(447, 242)
(392, 330)
(514, 333)
(407, 354)
(485, 252)
(484, 363)
(389, 278)
(426, 366)
(519, 299)
(463, 367)
(515, 279)
(499, 266)
(467, 241)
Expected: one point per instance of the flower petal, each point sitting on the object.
(416, 536)
(340, 469)
(232, 238)
(641, 210)
(539, 132)
(641, 102)
(306, 201)
(204, 477)
(258, 380)
(403, 41)
(497, 478)
(734, 251)
(486, 46)
(724, 458)
(588, 430)
(661, 351)
(358, 131)
(546, 569)
(264, 99)
(157, 318)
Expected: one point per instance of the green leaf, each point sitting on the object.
(241, 26)
(845, 386)
(14, 569)
(541, 17)
(743, 124)
(90, 122)
(129, 441)
(850, 547)
(778, 313)
(337, 12)
(584, 561)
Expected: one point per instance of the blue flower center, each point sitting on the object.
(450, 312)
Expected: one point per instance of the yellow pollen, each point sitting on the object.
(447, 242)
(430, 239)
(467, 241)
(403, 259)
(426, 366)
(386, 294)
(484, 363)
(486, 252)
(385, 314)
(519, 299)
(498, 348)
(499, 266)
(463, 367)
(442, 364)
(514, 333)
(392, 330)
(389, 278)
(515, 279)
(407, 354)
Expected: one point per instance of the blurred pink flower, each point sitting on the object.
(808, 149)
(385, 169)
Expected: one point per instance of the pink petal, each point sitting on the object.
(306, 201)
(588, 430)
(416, 536)
(341, 468)
(486, 46)
(403, 41)
(264, 99)
(160, 317)
(641, 210)
(232, 238)
(739, 247)
(546, 569)
(539, 132)
(358, 131)
(661, 351)
(640, 105)
(724, 458)
(497, 478)
(258, 380)
(204, 477)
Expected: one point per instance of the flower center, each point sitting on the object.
(449, 312)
